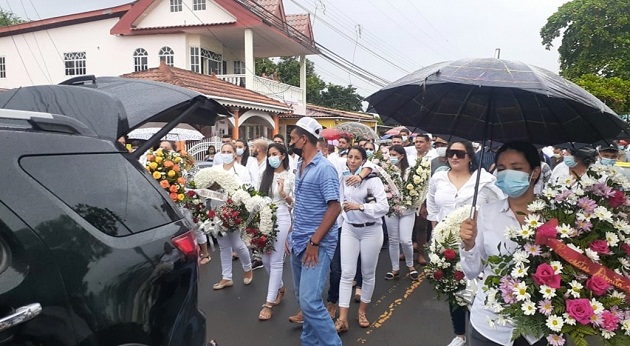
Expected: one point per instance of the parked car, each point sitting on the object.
(92, 250)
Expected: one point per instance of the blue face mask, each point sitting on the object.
(370, 153)
(393, 160)
(607, 162)
(512, 183)
(570, 161)
(240, 151)
(274, 161)
(227, 158)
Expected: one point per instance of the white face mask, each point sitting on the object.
(227, 158)
(441, 151)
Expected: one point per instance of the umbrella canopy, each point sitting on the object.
(176, 134)
(498, 99)
(396, 130)
(333, 133)
(358, 130)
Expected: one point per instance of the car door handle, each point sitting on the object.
(21, 315)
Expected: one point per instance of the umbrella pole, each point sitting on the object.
(483, 151)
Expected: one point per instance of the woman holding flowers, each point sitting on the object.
(518, 169)
(231, 240)
(277, 182)
(452, 189)
(361, 233)
(400, 220)
(574, 164)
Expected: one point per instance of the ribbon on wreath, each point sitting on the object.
(545, 235)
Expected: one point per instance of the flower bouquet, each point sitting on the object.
(201, 215)
(392, 182)
(261, 230)
(568, 277)
(444, 270)
(165, 167)
(415, 190)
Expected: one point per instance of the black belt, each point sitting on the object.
(359, 225)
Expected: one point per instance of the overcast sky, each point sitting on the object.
(400, 36)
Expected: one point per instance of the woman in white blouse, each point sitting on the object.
(361, 233)
(518, 169)
(277, 182)
(232, 240)
(454, 188)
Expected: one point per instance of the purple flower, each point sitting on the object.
(507, 289)
(587, 204)
(618, 312)
(555, 340)
(545, 307)
(597, 320)
(563, 196)
(602, 190)
(584, 225)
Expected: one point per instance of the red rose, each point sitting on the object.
(211, 214)
(626, 248)
(599, 246)
(190, 193)
(617, 200)
(263, 239)
(597, 284)
(438, 274)
(545, 275)
(459, 275)
(580, 310)
(547, 230)
(450, 254)
(195, 220)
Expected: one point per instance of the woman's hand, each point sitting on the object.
(468, 233)
(347, 206)
(353, 180)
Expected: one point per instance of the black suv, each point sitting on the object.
(92, 250)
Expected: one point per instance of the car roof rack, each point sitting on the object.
(47, 122)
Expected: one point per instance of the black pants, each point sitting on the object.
(477, 339)
(458, 318)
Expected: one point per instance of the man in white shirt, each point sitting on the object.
(422, 146)
(342, 148)
(258, 151)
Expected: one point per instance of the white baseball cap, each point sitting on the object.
(310, 125)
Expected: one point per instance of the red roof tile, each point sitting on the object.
(325, 112)
(301, 22)
(205, 84)
(269, 5)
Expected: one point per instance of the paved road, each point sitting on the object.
(402, 312)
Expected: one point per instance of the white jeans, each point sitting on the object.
(399, 230)
(274, 261)
(232, 242)
(366, 241)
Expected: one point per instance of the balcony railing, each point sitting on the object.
(268, 87)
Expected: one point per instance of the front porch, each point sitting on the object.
(288, 94)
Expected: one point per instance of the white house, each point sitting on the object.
(221, 37)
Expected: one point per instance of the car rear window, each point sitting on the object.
(105, 189)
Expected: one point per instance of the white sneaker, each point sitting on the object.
(457, 341)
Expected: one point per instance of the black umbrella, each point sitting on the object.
(498, 99)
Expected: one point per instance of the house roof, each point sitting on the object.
(301, 22)
(314, 111)
(269, 5)
(223, 92)
(66, 20)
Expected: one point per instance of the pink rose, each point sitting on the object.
(547, 230)
(618, 199)
(599, 246)
(580, 310)
(597, 284)
(611, 321)
(450, 254)
(545, 275)
(626, 248)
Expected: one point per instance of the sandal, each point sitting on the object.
(268, 308)
(413, 274)
(280, 295)
(341, 326)
(392, 275)
(363, 321)
(204, 259)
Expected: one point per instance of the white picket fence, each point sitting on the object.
(198, 149)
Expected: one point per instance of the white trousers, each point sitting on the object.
(399, 230)
(366, 241)
(274, 261)
(232, 242)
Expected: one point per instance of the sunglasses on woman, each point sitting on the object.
(460, 154)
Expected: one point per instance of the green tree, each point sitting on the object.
(340, 97)
(613, 91)
(595, 38)
(9, 18)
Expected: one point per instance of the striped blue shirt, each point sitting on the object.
(314, 188)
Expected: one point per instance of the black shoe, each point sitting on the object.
(257, 264)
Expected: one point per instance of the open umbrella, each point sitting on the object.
(358, 130)
(396, 130)
(498, 99)
(333, 133)
(176, 134)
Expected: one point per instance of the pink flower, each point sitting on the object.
(545, 275)
(555, 340)
(597, 284)
(617, 199)
(599, 246)
(611, 321)
(580, 310)
(547, 230)
(545, 307)
(626, 248)
(587, 204)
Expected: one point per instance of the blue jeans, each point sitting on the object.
(318, 328)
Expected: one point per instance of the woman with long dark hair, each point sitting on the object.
(276, 182)
(242, 152)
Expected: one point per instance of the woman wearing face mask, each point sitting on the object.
(277, 182)
(242, 152)
(455, 188)
(370, 150)
(362, 234)
(400, 227)
(574, 164)
(518, 167)
(232, 240)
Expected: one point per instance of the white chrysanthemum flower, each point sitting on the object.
(575, 248)
(536, 206)
(566, 180)
(622, 226)
(625, 325)
(533, 220)
(592, 254)
(598, 307)
(528, 308)
(557, 267)
(578, 191)
(603, 214)
(555, 323)
(433, 258)
(568, 319)
(512, 233)
(576, 288)
(586, 181)
(607, 334)
(520, 290)
(583, 217)
(549, 192)
(612, 239)
(519, 271)
(565, 231)
(547, 292)
(618, 295)
(525, 232)
(520, 256)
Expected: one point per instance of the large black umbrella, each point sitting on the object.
(497, 99)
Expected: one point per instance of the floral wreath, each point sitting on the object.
(402, 194)
(444, 270)
(165, 167)
(569, 275)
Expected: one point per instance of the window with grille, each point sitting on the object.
(199, 5)
(195, 59)
(176, 5)
(140, 60)
(167, 55)
(3, 67)
(239, 67)
(75, 63)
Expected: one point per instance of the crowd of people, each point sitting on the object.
(334, 217)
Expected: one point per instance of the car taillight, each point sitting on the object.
(186, 243)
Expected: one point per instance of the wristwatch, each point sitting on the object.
(361, 207)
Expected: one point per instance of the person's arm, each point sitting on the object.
(311, 255)
(356, 180)
(471, 249)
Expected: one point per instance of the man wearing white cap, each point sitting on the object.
(314, 237)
